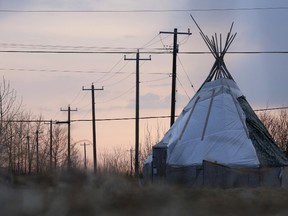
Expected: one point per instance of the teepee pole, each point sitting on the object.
(208, 115)
(218, 50)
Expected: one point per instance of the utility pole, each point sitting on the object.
(69, 123)
(51, 143)
(174, 68)
(85, 161)
(29, 154)
(131, 161)
(137, 59)
(93, 124)
(37, 151)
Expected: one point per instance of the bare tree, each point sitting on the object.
(152, 137)
(59, 150)
(9, 109)
(25, 142)
(122, 160)
(116, 161)
(277, 125)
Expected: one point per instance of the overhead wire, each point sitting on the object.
(167, 47)
(114, 66)
(126, 63)
(272, 108)
(183, 88)
(149, 43)
(184, 40)
(75, 71)
(154, 80)
(187, 76)
(128, 51)
(63, 47)
(82, 99)
(126, 77)
(121, 80)
(277, 52)
(167, 51)
(118, 96)
(56, 71)
(86, 113)
(145, 10)
(76, 97)
(129, 118)
(110, 77)
(115, 73)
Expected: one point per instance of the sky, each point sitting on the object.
(48, 82)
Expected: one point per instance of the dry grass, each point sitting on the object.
(79, 194)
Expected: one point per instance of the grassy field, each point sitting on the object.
(79, 194)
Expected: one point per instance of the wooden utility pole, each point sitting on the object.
(37, 151)
(93, 124)
(174, 69)
(85, 161)
(51, 144)
(137, 59)
(29, 155)
(131, 161)
(69, 139)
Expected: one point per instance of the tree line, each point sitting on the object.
(25, 141)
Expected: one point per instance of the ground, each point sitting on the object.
(87, 194)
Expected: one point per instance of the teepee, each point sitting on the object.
(217, 132)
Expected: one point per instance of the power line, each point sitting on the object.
(183, 68)
(120, 119)
(110, 71)
(112, 75)
(163, 116)
(155, 80)
(46, 46)
(60, 48)
(183, 88)
(149, 43)
(114, 66)
(143, 11)
(272, 108)
(69, 52)
(76, 71)
(118, 96)
(76, 97)
(123, 118)
(237, 52)
(133, 52)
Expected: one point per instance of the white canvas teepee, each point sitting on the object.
(217, 125)
(212, 127)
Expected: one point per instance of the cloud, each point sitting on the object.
(151, 101)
